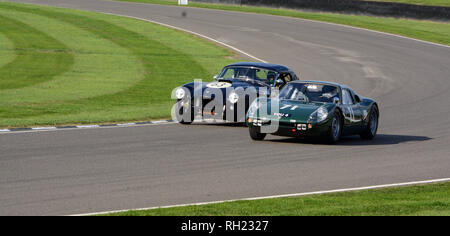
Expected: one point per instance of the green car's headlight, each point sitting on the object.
(319, 115)
(254, 107)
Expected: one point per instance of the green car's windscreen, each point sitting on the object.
(308, 92)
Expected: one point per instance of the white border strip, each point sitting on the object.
(87, 126)
(160, 122)
(127, 124)
(277, 196)
(44, 128)
(81, 127)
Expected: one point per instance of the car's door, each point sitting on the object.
(362, 112)
(352, 113)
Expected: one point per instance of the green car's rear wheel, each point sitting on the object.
(372, 127)
(255, 134)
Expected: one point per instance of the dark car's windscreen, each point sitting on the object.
(258, 74)
(309, 92)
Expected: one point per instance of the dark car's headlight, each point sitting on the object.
(233, 97)
(180, 93)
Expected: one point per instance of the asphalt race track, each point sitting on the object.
(91, 170)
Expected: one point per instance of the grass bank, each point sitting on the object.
(437, 32)
(61, 66)
(422, 200)
(444, 3)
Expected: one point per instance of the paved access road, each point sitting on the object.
(91, 170)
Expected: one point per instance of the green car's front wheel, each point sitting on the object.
(255, 134)
(336, 128)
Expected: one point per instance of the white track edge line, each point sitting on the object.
(190, 32)
(162, 24)
(276, 196)
(234, 48)
(87, 126)
(43, 128)
(7, 131)
(160, 122)
(376, 31)
(325, 22)
(251, 56)
(297, 18)
(127, 124)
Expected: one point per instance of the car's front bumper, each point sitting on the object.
(228, 112)
(292, 129)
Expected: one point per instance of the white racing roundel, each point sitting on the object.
(218, 85)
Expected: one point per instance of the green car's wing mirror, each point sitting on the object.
(336, 100)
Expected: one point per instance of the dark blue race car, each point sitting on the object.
(232, 92)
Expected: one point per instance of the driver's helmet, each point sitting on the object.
(271, 76)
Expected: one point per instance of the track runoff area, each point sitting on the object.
(212, 115)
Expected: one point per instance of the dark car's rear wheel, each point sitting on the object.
(372, 127)
(255, 134)
(336, 128)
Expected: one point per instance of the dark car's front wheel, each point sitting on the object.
(184, 114)
(255, 134)
(372, 127)
(336, 128)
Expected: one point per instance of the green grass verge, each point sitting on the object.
(83, 67)
(437, 32)
(61, 66)
(427, 200)
(36, 53)
(445, 3)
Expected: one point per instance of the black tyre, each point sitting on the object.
(337, 124)
(186, 122)
(183, 118)
(256, 135)
(372, 127)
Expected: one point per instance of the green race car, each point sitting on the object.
(314, 109)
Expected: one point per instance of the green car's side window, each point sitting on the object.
(347, 98)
